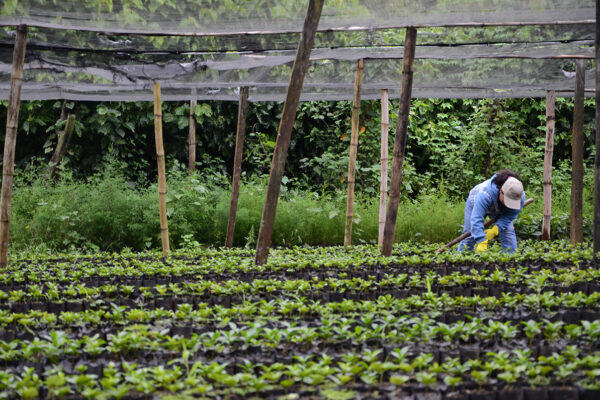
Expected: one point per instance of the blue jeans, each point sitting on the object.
(508, 238)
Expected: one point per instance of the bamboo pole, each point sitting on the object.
(360, 66)
(64, 138)
(400, 141)
(597, 156)
(10, 140)
(162, 182)
(385, 128)
(577, 157)
(237, 164)
(192, 139)
(284, 132)
(547, 180)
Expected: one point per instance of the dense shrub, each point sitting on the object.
(110, 213)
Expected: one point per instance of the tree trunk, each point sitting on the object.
(385, 127)
(360, 66)
(400, 141)
(162, 181)
(10, 140)
(577, 157)
(547, 181)
(284, 132)
(237, 164)
(64, 139)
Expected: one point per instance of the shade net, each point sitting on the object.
(206, 50)
(330, 76)
(218, 17)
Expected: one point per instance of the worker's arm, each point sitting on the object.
(509, 216)
(482, 204)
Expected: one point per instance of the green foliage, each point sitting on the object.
(109, 212)
(457, 143)
(105, 198)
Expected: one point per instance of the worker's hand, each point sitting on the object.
(491, 233)
(482, 246)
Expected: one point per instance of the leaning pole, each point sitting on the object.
(399, 141)
(284, 132)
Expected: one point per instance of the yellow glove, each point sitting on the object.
(482, 246)
(491, 233)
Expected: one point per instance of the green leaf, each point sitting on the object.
(399, 379)
(333, 394)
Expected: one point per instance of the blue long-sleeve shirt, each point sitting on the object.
(487, 203)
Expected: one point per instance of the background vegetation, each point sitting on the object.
(106, 198)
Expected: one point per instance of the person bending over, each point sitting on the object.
(501, 196)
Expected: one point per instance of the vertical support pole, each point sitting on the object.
(10, 141)
(597, 156)
(192, 139)
(162, 182)
(577, 157)
(237, 164)
(360, 66)
(385, 128)
(284, 133)
(547, 180)
(400, 141)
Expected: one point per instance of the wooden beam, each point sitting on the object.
(64, 138)
(547, 179)
(597, 156)
(400, 141)
(577, 156)
(360, 66)
(288, 116)
(385, 129)
(10, 140)
(237, 164)
(192, 139)
(162, 181)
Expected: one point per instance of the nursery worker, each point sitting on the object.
(500, 196)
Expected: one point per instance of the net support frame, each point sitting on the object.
(577, 143)
(548, 152)
(237, 164)
(399, 143)
(284, 132)
(358, 77)
(162, 180)
(597, 140)
(10, 140)
(385, 129)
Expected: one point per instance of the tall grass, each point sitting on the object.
(108, 213)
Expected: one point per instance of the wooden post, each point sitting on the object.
(385, 128)
(10, 140)
(192, 139)
(360, 66)
(547, 180)
(577, 157)
(162, 182)
(64, 138)
(400, 141)
(237, 164)
(597, 156)
(284, 132)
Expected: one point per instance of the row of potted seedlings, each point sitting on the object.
(314, 322)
